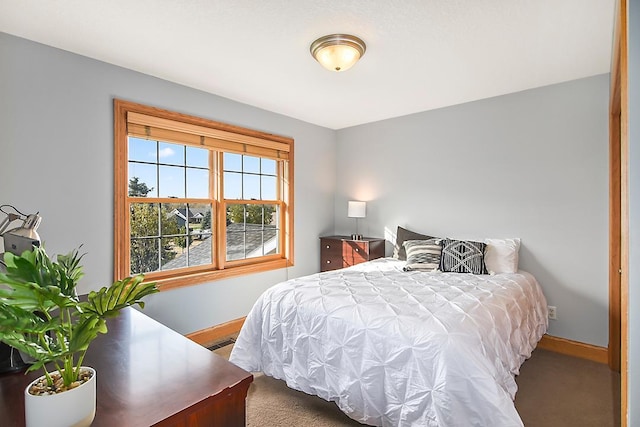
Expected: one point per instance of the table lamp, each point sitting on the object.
(357, 210)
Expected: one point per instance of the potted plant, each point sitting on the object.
(42, 316)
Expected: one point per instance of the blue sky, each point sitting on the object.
(167, 166)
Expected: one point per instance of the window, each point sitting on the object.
(197, 200)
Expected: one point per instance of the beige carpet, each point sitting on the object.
(554, 390)
(558, 390)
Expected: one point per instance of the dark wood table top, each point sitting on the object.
(146, 374)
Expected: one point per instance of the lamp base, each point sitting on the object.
(356, 237)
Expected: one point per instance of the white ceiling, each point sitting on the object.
(421, 54)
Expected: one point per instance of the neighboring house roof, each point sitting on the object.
(199, 254)
(198, 210)
(182, 213)
(195, 215)
(252, 240)
(239, 241)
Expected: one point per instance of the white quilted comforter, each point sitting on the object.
(395, 348)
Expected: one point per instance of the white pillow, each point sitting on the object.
(501, 255)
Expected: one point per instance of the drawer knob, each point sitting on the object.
(357, 250)
(329, 262)
(328, 246)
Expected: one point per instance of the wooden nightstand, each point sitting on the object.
(340, 251)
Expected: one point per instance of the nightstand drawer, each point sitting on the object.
(358, 250)
(331, 255)
(330, 248)
(340, 251)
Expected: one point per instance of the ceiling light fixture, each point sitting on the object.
(338, 52)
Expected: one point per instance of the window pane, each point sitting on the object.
(269, 187)
(200, 217)
(197, 183)
(235, 245)
(173, 253)
(271, 215)
(171, 182)
(200, 234)
(232, 162)
(251, 187)
(200, 249)
(142, 180)
(143, 150)
(197, 157)
(174, 219)
(254, 244)
(236, 215)
(250, 164)
(171, 154)
(143, 220)
(268, 167)
(194, 249)
(232, 185)
(251, 231)
(266, 242)
(235, 232)
(144, 255)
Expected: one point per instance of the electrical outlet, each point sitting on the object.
(553, 314)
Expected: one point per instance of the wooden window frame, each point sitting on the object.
(133, 119)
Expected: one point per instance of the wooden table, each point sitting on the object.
(149, 375)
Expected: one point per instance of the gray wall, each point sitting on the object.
(56, 157)
(634, 214)
(531, 164)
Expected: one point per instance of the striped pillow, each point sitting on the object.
(423, 255)
(402, 236)
(462, 256)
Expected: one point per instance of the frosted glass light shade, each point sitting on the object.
(357, 209)
(338, 52)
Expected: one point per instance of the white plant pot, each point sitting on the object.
(72, 408)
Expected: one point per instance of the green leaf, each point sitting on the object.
(107, 302)
(14, 318)
(41, 315)
(86, 331)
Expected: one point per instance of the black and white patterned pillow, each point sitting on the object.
(462, 256)
(423, 255)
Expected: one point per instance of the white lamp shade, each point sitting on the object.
(357, 209)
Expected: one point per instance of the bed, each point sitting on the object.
(399, 348)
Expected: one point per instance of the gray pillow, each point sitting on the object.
(402, 235)
(462, 256)
(423, 255)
